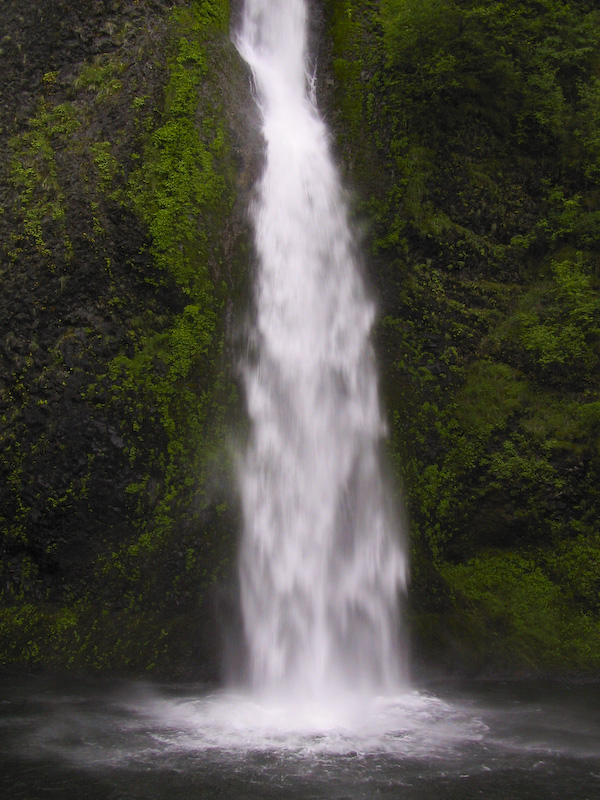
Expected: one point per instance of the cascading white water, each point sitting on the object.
(321, 565)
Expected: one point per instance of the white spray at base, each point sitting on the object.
(321, 564)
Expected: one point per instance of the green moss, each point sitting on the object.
(524, 616)
(178, 187)
(490, 395)
(171, 392)
(99, 76)
(347, 65)
(34, 172)
(38, 635)
(106, 164)
(162, 383)
(558, 323)
(477, 125)
(132, 598)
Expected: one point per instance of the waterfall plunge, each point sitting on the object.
(321, 566)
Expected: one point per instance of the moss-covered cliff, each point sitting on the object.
(470, 131)
(120, 242)
(469, 134)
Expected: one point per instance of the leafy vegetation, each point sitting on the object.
(477, 164)
(115, 521)
(172, 387)
(33, 172)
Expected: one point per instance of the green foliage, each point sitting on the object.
(348, 69)
(514, 66)
(160, 403)
(34, 172)
(462, 88)
(177, 187)
(575, 564)
(171, 391)
(100, 77)
(482, 205)
(491, 394)
(105, 163)
(570, 220)
(514, 466)
(43, 636)
(162, 374)
(561, 328)
(524, 614)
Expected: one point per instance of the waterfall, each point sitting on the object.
(321, 563)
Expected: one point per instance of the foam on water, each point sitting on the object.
(138, 727)
(414, 724)
(496, 740)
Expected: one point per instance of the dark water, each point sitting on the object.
(66, 739)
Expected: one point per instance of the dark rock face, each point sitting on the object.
(116, 507)
(57, 329)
